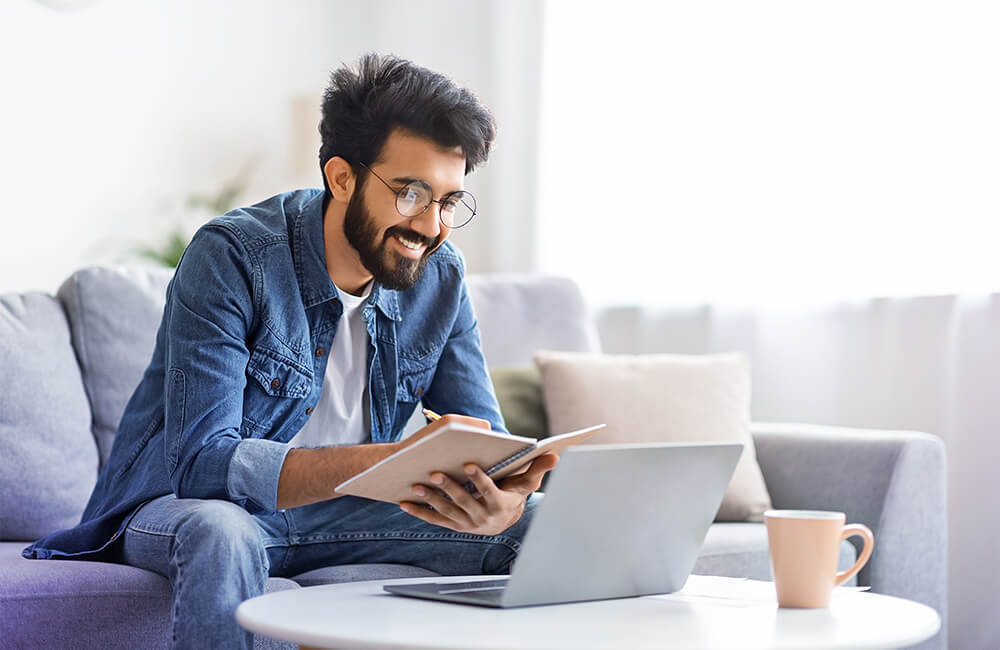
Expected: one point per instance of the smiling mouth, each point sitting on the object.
(410, 243)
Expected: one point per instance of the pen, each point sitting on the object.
(431, 415)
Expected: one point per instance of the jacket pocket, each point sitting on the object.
(276, 386)
(413, 383)
(277, 375)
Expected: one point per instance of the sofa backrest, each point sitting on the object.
(48, 459)
(114, 313)
(519, 314)
(52, 410)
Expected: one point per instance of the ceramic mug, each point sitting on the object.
(805, 546)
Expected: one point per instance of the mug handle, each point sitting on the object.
(866, 552)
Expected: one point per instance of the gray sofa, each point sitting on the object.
(69, 363)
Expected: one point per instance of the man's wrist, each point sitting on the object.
(312, 475)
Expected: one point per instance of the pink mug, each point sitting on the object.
(805, 546)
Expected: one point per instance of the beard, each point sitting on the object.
(388, 268)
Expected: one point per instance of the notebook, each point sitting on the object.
(448, 450)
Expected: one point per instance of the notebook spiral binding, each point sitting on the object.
(471, 487)
(510, 459)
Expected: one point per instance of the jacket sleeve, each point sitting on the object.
(461, 381)
(210, 309)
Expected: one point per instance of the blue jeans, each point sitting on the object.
(217, 555)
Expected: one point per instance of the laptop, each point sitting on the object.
(616, 521)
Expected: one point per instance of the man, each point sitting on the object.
(297, 337)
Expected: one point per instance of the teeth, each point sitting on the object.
(414, 246)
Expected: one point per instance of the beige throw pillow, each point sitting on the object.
(661, 398)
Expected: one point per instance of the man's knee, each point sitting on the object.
(223, 529)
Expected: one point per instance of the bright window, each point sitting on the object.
(737, 151)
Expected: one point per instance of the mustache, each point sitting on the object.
(412, 235)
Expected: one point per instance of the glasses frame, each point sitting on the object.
(440, 202)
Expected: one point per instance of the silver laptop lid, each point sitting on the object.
(621, 520)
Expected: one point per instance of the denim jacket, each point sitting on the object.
(240, 358)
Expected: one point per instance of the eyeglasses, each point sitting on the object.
(456, 209)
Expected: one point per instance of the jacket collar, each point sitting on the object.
(310, 262)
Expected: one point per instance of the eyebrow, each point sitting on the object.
(403, 180)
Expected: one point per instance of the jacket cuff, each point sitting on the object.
(253, 474)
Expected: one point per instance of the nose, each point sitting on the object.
(428, 223)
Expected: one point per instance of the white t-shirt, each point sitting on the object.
(341, 416)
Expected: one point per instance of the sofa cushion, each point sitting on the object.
(49, 455)
(77, 604)
(519, 392)
(114, 313)
(661, 398)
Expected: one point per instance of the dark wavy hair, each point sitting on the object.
(363, 105)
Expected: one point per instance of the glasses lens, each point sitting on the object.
(412, 199)
(457, 209)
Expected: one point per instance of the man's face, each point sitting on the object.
(394, 248)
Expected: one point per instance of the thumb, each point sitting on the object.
(529, 481)
(544, 463)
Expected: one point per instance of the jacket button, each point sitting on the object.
(320, 352)
(309, 410)
(418, 392)
(275, 384)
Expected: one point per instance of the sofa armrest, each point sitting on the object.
(891, 481)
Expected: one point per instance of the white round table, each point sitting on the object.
(709, 612)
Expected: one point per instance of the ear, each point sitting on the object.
(340, 177)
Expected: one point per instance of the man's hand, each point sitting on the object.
(494, 510)
(310, 475)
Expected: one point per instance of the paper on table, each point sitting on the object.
(733, 592)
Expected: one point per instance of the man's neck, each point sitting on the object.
(342, 261)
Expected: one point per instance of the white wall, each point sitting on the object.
(114, 114)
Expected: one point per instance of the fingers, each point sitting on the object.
(544, 463)
(452, 500)
(420, 511)
(492, 511)
(488, 490)
(458, 494)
